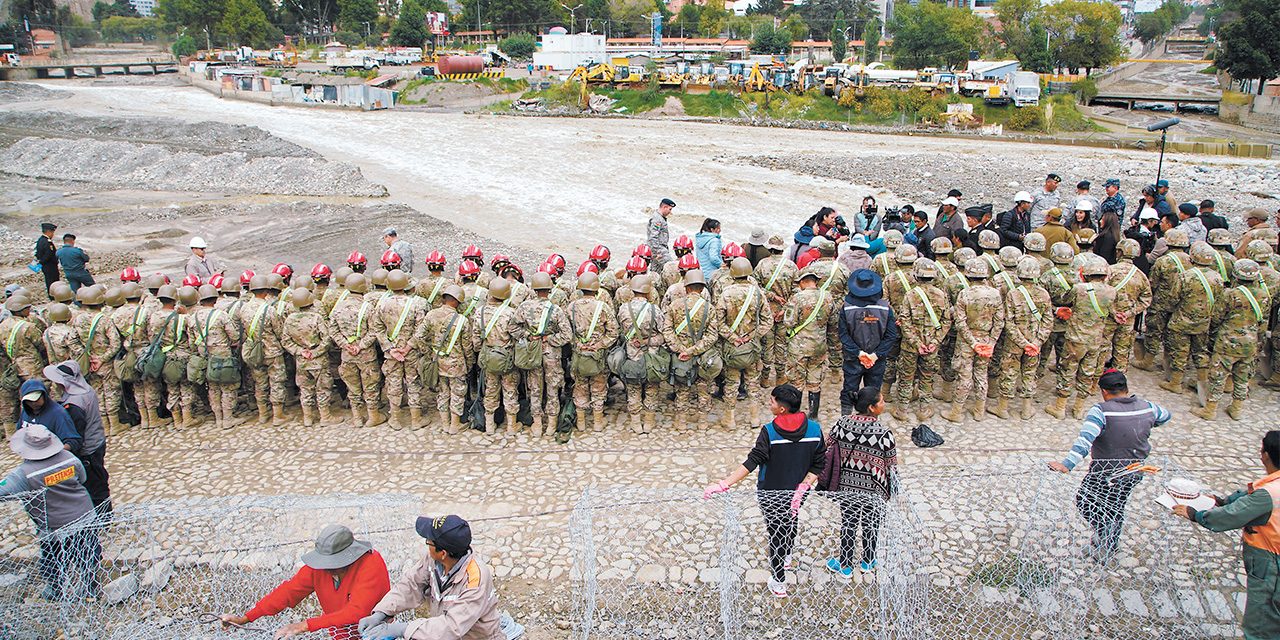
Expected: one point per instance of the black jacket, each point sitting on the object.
(46, 253)
(1012, 225)
(924, 238)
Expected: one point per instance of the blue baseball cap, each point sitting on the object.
(450, 534)
(1162, 184)
(1113, 182)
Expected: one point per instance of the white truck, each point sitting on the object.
(404, 55)
(349, 62)
(1025, 88)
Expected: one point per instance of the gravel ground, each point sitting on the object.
(205, 137)
(23, 92)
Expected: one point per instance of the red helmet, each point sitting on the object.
(688, 261)
(809, 256)
(192, 280)
(246, 276)
(644, 252)
(356, 258)
(474, 253)
(588, 266)
(320, 271)
(509, 267)
(637, 264)
(468, 268)
(166, 278)
(731, 251)
(548, 269)
(557, 261)
(283, 270)
(500, 261)
(129, 274)
(390, 258)
(216, 280)
(683, 243)
(435, 259)
(600, 254)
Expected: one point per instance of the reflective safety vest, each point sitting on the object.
(1267, 537)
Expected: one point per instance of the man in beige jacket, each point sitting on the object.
(453, 579)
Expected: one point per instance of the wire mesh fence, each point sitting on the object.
(1002, 550)
(155, 569)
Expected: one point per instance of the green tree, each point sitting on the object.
(767, 7)
(357, 15)
(687, 20)
(713, 18)
(839, 46)
(933, 35)
(104, 10)
(515, 16)
(410, 28)
(631, 17)
(198, 15)
(184, 46)
(348, 37)
(519, 46)
(1084, 35)
(820, 15)
(122, 29)
(871, 44)
(1250, 43)
(771, 40)
(1016, 19)
(796, 28)
(244, 23)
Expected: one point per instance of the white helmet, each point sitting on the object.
(1022, 196)
(1084, 205)
(198, 243)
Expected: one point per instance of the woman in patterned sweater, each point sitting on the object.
(859, 474)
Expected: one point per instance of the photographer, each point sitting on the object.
(897, 219)
(868, 221)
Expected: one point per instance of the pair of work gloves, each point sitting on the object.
(377, 627)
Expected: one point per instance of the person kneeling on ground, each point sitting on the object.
(452, 579)
(347, 576)
(790, 454)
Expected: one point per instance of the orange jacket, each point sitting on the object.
(344, 605)
(1267, 537)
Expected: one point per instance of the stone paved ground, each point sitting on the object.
(521, 488)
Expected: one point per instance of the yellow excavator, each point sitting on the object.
(601, 73)
(755, 80)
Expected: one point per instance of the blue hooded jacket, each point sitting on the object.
(708, 246)
(52, 416)
(866, 322)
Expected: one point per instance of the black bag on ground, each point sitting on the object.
(128, 413)
(567, 421)
(924, 437)
(476, 409)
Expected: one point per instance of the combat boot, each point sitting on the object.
(979, 409)
(1079, 408)
(229, 419)
(729, 422)
(1174, 383)
(308, 418)
(144, 418)
(582, 421)
(1028, 409)
(764, 376)
(393, 417)
(356, 418)
(755, 414)
(993, 391)
(886, 389)
(1145, 363)
(924, 410)
(491, 427)
(1273, 382)
(264, 414)
(1235, 409)
(277, 413)
(536, 427)
(415, 418)
(1202, 385)
(636, 426)
(898, 412)
(1059, 407)
(946, 391)
(326, 416)
(107, 429)
(375, 417)
(216, 407)
(648, 425)
(953, 413)
(815, 403)
(187, 421)
(597, 418)
(1208, 412)
(454, 426)
(1001, 409)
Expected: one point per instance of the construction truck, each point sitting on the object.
(997, 95)
(833, 79)
(1025, 87)
(602, 73)
(351, 61)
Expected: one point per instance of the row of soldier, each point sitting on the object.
(389, 337)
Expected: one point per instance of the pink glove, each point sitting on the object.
(798, 497)
(713, 489)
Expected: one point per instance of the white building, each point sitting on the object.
(146, 8)
(564, 52)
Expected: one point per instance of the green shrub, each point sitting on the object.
(349, 38)
(931, 111)
(1026, 118)
(184, 46)
(1085, 89)
(519, 46)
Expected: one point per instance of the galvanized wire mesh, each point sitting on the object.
(1000, 550)
(154, 568)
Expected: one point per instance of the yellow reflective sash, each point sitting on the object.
(1204, 283)
(404, 314)
(341, 297)
(1253, 302)
(12, 343)
(696, 307)
(595, 317)
(1030, 303)
(928, 306)
(746, 304)
(1094, 300)
(497, 314)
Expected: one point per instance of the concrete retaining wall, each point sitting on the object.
(1255, 112)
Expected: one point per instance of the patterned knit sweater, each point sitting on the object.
(867, 454)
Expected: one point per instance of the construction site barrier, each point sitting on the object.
(473, 76)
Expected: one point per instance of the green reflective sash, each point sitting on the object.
(1253, 302)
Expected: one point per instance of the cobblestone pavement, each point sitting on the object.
(521, 488)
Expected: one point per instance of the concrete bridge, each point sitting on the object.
(150, 65)
(1131, 99)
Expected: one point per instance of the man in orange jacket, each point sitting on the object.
(348, 578)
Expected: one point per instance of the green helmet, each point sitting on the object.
(340, 276)
(1177, 238)
(925, 269)
(1202, 254)
(499, 288)
(275, 281)
(1079, 260)
(589, 281)
(1028, 268)
(114, 297)
(188, 296)
(1220, 238)
(1258, 250)
(455, 292)
(1095, 266)
(92, 295)
(302, 280)
(397, 280)
(541, 281)
(1034, 241)
(1009, 257)
(1061, 253)
(302, 298)
(905, 254)
(229, 285)
(208, 292)
(356, 283)
(59, 312)
(1247, 270)
(1129, 248)
(739, 268)
(378, 277)
(976, 269)
(131, 290)
(892, 238)
(941, 246)
(17, 303)
(155, 281)
(258, 283)
(1268, 234)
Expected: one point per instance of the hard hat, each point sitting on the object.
(1034, 241)
(301, 298)
(379, 278)
(976, 269)
(168, 292)
(739, 268)
(397, 280)
(435, 260)
(589, 281)
(390, 259)
(1009, 256)
(892, 238)
(474, 253)
(682, 245)
(1177, 238)
(641, 285)
(469, 269)
(546, 268)
(499, 288)
(356, 283)
(587, 267)
(941, 246)
(92, 296)
(133, 290)
(305, 282)
(1247, 270)
(643, 251)
(1028, 268)
(950, 201)
(207, 291)
(58, 312)
(556, 260)
(905, 254)
(923, 269)
(1084, 205)
(1220, 238)
(687, 261)
(192, 280)
(1022, 196)
(356, 258)
(276, 281)
(155, 281)
(600, 254)
(198, 243)
(61, 292)
(246, 276)
(499, 261)
(129, 274)
(259, 283)
(216, 280)
(731, 251)
(114, 297)
(188, 296)
(695, 277)
(637, 264)
(541, 281)
(511, 268)
(283, 270)
(228, 286)
(1061, 253)
(455, 292)
(1202, 254)
(321, 271)
(988, 239)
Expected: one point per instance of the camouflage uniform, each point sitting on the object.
(106, 345)
(1091, 304)
(810, 336)
(349, 326)
(925, 319)
(883, 264)
(1237, 318)
(952, 283)
(258, 318)
(896, 287)
(174, 342)
(214, 333)
(1029, 320)
(595, 337)
(494, 329)
(776, 275)
(24, 349)
(640, 326)
(1194, 293)
(548, 378)
(61, 343)
(1167, 268)
(691, 328)
(979, 319)
(447, 335)
(430, 289)
(670, 275)
(306, 335)
(744, 319)
(1117, 338)
(1059, 282)
(394, 321)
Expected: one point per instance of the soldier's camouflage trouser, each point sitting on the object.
(1018, 373)
(751, 375)
(548, 378)
(105, 382)
(1055, 344)
(971, 374)
(220, 395)
(891, 362)
(400, 379)
(1239, 368)
(997, 356)
(589, 393)
(451, 395)
(1117, 344)
(691, 398)
(946, 353)
(915, 377)
(1079, 363)
(268, 382)
(1156, 336)
(1187, 348)
(181, 394)
(28, 369)
(642, 397)
(774, 351)
(314, 381)
(805, 374)
(363, 381)
(504, 389)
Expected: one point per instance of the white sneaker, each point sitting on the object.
(786, 563)
(779, 589)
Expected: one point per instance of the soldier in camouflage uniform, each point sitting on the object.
(495, 338)
(1225, 262)
(24, 353)
(432, 287)
(636, 266)
(61, 342)
(925, 318)
(473, 255)
(1260, 251)
(539, 319)
(170, 331)
(1028, 313)
(1132, 284)
(214, 334)
(673, 274)
(1087, 308)
(979, 320)
(101, 338)
(1003, 281)
(686, 264)
(690, 331)
(1035, 244)
(306, 335)
(809, 336)
(349, 328)
(1194, 295)
(395, 320)
(952, 285)
(1059, 282)
(475, 293)
(595, 329)
(519, 290)
(721, 278)
(989, 242)
(896, 287)
(640, 325)
(131, 321)
(744, 320)
(776, 275)
(883, 264)
(1238, 317)
(833, 277)
(258, 318)
(448, 336)
(608, 280)
(1166, 270)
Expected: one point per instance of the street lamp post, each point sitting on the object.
(573, 19)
